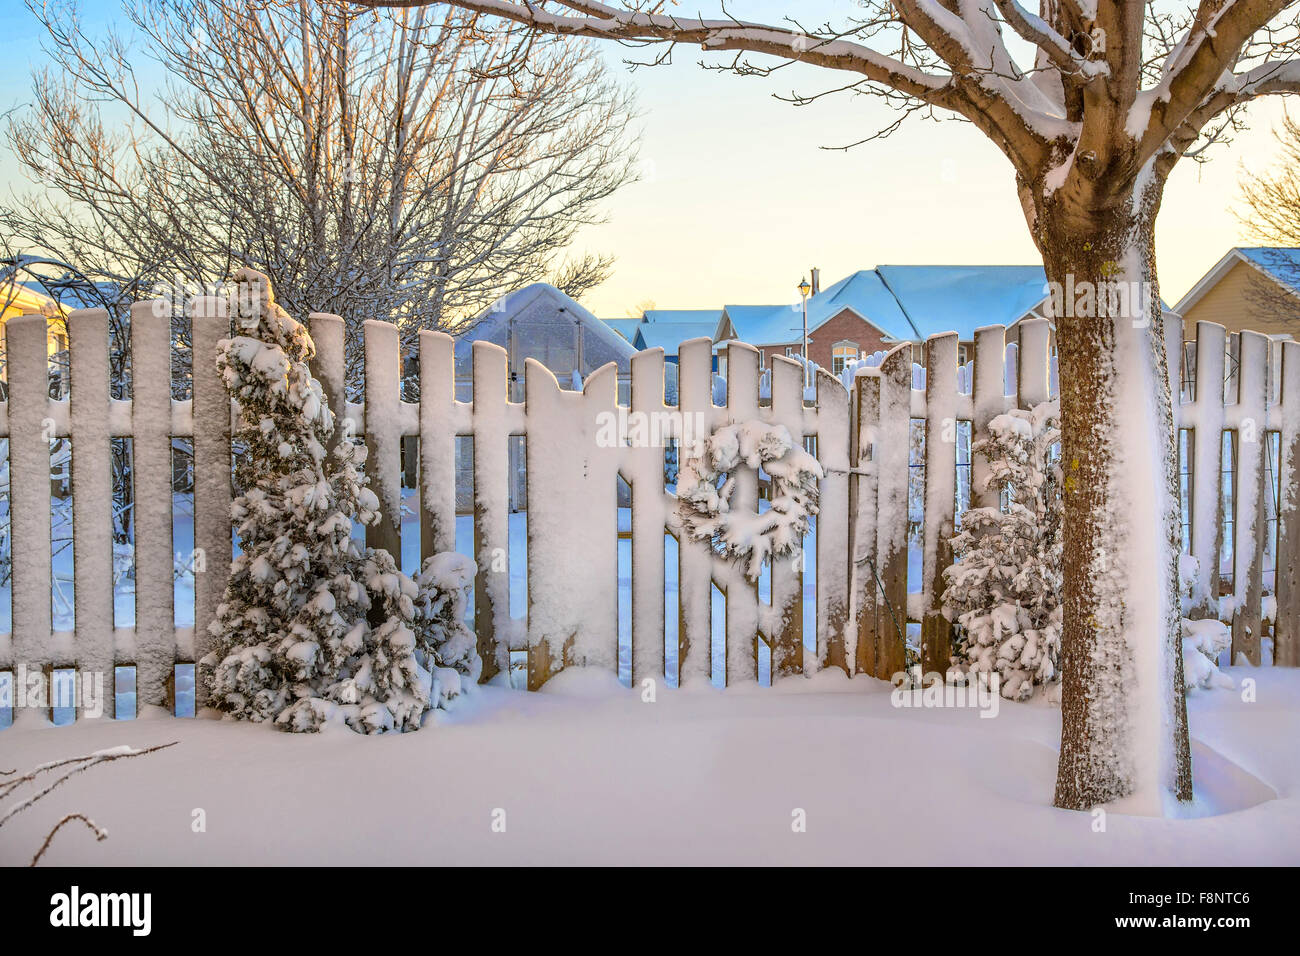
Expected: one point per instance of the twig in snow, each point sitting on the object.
(74, 765)
(100, 833)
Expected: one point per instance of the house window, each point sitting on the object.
(842, 354)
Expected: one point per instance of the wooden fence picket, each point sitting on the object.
(1250, 417)
(92, 496)
(940, 495)
(212, 485)
(1286, 641)
(742, 596)
(30, 431)
(151, 460)
(893, 443)
(833, 614)
(694, 560)
(437, 444)
(787, 573)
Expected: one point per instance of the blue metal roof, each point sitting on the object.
(904, 302)
(624, 327)
(1280, 263)
(670, 335)
(962, 299)
(684, 316)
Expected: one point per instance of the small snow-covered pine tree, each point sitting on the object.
(1004, 591)
(312, 627)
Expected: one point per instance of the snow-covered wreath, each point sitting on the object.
(706, 480)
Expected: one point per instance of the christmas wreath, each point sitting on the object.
(706, 480)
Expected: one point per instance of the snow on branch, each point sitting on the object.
(962, 64)
(1197, 81)
(60, 772)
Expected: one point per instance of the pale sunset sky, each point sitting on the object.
(738, 200)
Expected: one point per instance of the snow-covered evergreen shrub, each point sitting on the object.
(313, 627)
(1004, 591)
(1203, 640)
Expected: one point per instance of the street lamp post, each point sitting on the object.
(804, 289)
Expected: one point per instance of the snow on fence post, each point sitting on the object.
(383, 429)
(741, 593)
(212, 472)
(833, 524)
(1286, 622)
(988, 401)
(787, 573)
(694, 558)
(437, 444)
(940, 489)
(92, 496)
(572, 523)
(29, 497)
(1032, 361)
(151, 460)
(892, 460)
(862, 524)
(1206, 417)
(1249, 417)
(326, 333)
(645, 475)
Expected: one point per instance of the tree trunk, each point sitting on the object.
(1123, 713)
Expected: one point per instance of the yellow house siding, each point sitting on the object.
(1229, 303)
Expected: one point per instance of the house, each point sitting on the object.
(875, 309)
(19, 298)
(1255, 288)
(669, 328)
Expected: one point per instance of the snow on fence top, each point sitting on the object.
(863, 595)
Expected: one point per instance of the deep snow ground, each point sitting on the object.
(588, 773)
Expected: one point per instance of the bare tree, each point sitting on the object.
(1270, 211)
(374, 164)
(1093, 102)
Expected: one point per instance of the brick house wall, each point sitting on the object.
(847, 326)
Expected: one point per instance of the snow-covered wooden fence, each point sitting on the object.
(863, 601)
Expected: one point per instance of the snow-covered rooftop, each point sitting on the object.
(549, 326)
(683, 316)
(962, 299)
(624, 327)
(669, 336)
(1280, 263)
(910, 302)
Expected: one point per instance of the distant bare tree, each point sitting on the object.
(1270, 211)
(373, 164)
(641, 308)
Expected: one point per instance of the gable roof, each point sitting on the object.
(962, 299)
(544, 311)
(683, 316)
(670, 335)
(624, 327)
(761, 324)
(1280, 264)
(906, 303)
